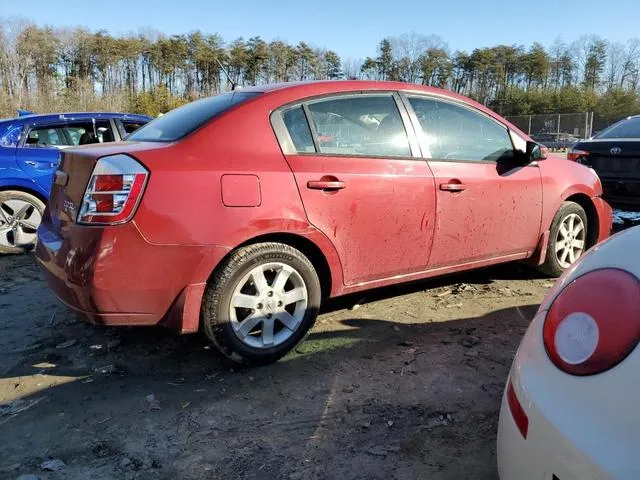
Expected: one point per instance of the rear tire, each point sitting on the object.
(567, 239)
(260, 303)
(20, 217)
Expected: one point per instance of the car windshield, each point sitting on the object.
(629, 128)
(184, 120)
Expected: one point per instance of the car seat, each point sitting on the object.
(88, 138)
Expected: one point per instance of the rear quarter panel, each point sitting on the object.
(183, 203)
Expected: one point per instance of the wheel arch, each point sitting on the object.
(305, 245)
(593, 222)
(593, 226)
(25, 188)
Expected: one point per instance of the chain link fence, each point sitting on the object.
(556, 131)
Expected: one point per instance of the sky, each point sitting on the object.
(352, 28)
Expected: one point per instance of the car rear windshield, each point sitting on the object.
(629, 128)
(184, 120)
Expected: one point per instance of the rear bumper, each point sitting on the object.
(113, 276)
(622, 192)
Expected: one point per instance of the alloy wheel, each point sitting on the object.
(19, 220)
(570, 240)
(268, 305)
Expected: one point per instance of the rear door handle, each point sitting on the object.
(453, 187)
(41, 165)
(325, 185)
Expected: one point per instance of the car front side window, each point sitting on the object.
(454, 132)
(89, 132)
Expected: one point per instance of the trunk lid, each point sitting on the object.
(74, 172)
(617, 163)
(616, 158)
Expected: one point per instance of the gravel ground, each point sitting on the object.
(399, 383)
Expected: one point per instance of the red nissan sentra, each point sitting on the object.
(239, 213)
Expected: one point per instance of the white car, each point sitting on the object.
(571, 408)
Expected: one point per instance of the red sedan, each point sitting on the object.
(239, 213)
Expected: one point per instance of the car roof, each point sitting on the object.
(52, 117)
(340, 85)
(300, 90)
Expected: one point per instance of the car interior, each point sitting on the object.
(71, 134)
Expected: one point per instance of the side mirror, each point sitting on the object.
(536, 151)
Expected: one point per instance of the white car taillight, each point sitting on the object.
(114, 191)
(594, 323)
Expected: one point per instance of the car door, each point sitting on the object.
(488, 203)
(362, 182)
(39, 153)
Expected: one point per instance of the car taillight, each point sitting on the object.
(577, 155)
(114, 191)
(594, 323)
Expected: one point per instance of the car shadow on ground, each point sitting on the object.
(370, 398)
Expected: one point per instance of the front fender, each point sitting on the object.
(562, 179)
(581, 189)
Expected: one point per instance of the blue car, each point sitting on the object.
(29, 155)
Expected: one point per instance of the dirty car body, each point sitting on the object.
(329, 187)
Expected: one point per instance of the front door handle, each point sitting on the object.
(453, 187)
(325, 185)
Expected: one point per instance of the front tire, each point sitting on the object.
(260, 303)
(20, 217)
(567, 239)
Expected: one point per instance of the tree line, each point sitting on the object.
(56, 69)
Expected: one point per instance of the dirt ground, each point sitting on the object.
(399, 383)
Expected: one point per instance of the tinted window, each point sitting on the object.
(130, 127)
(10, 134)
(368, 125)
(298, 128)
(629, 128)
(458, 133)
(184, 120)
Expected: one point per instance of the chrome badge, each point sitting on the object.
(69, 207)
(615, 150)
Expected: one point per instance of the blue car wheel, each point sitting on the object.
(20, 216)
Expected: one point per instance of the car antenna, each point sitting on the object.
(234, 85)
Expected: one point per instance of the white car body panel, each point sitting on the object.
(579, 427)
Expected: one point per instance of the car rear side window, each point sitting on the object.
(453, 132)
(298, 127)
(184, 120)
(628, 128)
(47, 136)
(363, 125)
